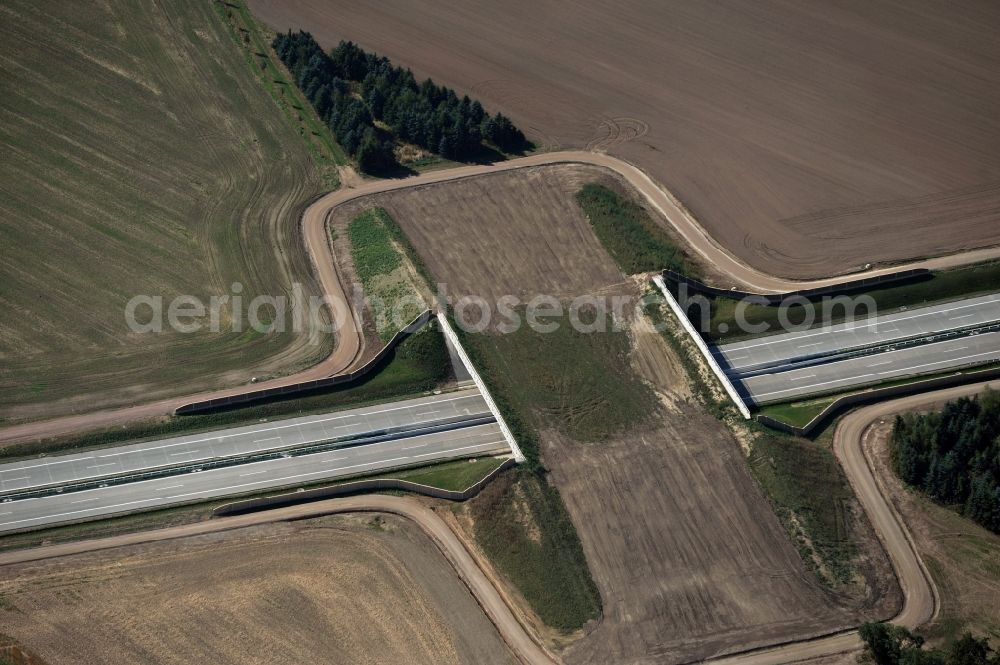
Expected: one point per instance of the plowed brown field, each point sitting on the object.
(686, 552)
(808, 138)
(331, 590)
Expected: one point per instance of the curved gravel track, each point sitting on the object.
(920, 597)
(349, 342)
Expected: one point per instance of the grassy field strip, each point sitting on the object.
(723, 379)
(272, 74)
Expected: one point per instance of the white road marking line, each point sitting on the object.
(887, 362)
(803, 378)
(270, 438)
(957, 348)
(253, 473)
(949, 360)
(452, 450)
(171, 487)
(75, 512)
(14, 480)
(94, 498)
(964, 316)
(422, 445)
(185, 452)
(841, 327)
(475, 395)
(98, 466)
(803, 346)
(823, 383)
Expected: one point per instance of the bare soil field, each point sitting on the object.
(689, 558)
(519, 234)
(354, 589)
(808, 138)
(141, 156)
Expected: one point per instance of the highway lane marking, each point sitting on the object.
(964, 316)
(852, 326)
(803, 378)
(803, 346)
(887, 362)
(957, 348)
(184, 452)
(275, 480)
(452, 450)
(76, 512)
(14, 480)
(422, 445)
(253, 473)
(231, 487)
(949, 360)
(477, 395)
(171, 487)
(93, 498)
(98, 466)
(270, 438)
(892, 371)
(451, 399)
(823, 383)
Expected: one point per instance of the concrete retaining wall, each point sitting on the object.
(721, 375)
(305, 387)
(478, 380)
(891, 279)
(879, 394)
(357, 487)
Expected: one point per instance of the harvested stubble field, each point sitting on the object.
(687, 555)
(141, 156)
(365, 589)
(808, 138)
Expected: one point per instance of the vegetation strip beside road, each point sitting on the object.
(920, 596)
(349, 343)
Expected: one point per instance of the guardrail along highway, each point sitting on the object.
(46, 491)
(926, 340)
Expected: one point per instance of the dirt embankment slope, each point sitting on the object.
(808, 138)
(352, 589)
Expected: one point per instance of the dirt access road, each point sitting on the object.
(523, 646)
(808, 137)
(349, 341)
(920, 596)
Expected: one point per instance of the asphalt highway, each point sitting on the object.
(240, 441)
(875, 368)
(252, 477)
(775, 350)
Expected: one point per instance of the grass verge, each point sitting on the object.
(380, 265)
(522, 525)
(255, 41)
(811, 496)
(419, 364)
(634, 240)
(579, 384)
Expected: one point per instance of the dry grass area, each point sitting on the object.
(364, 589)
(141, 156)
(809, 138)
(684, 548)
(963, 558)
